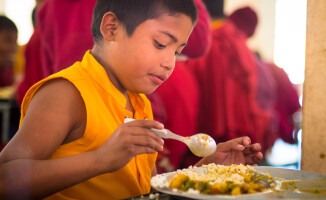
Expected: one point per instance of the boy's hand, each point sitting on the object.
(129, 140)
(236, 151)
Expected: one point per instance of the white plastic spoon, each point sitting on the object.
(199, 144)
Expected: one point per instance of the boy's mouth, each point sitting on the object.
(158, 79)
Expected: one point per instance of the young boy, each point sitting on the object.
(72, 142)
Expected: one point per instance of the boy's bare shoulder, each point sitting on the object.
(55, 115)
(59, 97)
(57, 91)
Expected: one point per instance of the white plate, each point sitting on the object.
(287, 174)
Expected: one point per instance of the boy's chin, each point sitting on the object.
(146, 92)
(149, 91)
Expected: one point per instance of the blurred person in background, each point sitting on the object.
(227, 78)
(8, 50)
(285, 105)
(65, 35)
(239, 93)
(245, 19)
(275, 92)
(27, 70)
(58, 40)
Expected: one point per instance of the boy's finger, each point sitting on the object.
(143, 140)
(144, 149)
(246, 141)
(145, 124)
(256, 147)
(251, 149)
(254, 158)
(230, 145)
(242, 140)
(138, 131)
(258, 157)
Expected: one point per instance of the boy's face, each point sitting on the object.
(143, 61)
(8, 47)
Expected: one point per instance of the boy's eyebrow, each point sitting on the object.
(172, 37)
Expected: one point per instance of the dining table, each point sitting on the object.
(300, 179)
(280, 196)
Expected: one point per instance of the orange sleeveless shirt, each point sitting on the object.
(105, 107)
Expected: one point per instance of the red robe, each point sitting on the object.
(200, 38)
(227, 78)
(65, 28)
(61, 38)
(286, 103)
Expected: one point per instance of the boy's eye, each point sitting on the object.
(159, 45)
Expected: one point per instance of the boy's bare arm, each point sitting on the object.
(55, 112)
(57, 115)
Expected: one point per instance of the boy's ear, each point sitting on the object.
(109, 26)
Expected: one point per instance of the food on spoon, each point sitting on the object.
(201, 144)
(201, 138)
(220, 179)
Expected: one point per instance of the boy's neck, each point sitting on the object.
(129, 105)
(99, 53)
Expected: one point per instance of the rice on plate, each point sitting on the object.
(214, 179)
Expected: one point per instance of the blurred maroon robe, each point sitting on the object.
(227, 79)
(62, 36)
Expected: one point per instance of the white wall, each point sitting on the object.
(290, 37)
(2, 7)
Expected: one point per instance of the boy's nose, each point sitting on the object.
(168, 63)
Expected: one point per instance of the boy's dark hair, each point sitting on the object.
(131, 13)
(7, 24)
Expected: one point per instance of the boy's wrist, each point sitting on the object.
(98, 163)
(104, 163)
